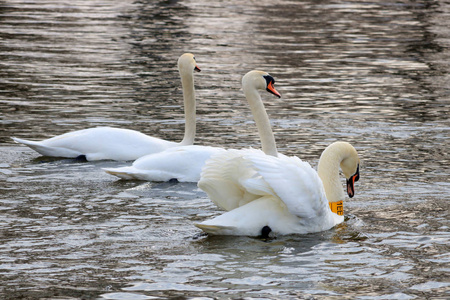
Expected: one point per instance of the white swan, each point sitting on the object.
(107, 143)
(264, 192)
(185, 163)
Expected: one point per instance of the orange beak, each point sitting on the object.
(271, 89)
(351, 183)
(197, 69)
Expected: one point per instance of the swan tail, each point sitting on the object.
(47, 150)
(122, 173)
(216, 229)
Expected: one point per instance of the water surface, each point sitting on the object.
(373, 73)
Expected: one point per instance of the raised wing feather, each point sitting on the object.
(230, 181)
(295, 182)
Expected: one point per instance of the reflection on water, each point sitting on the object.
(374, 73)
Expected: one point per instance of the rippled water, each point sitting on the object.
(374, 73)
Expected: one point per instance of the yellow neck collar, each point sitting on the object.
(337, 207)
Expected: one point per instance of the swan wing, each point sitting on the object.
(229, 180)
(294, 182)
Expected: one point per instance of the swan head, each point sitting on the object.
(187, 64)
(350, 169)
(259, 80)
(338, 155)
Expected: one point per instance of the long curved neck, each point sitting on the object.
(268, 144)
(187, 83)
(328, 170)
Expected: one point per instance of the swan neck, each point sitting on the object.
(328, 170)
(261, 118)
(187, 83)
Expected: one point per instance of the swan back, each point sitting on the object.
(236, 177)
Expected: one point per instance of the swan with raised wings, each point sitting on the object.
(185, 163)
(265, 191)
(108, 143)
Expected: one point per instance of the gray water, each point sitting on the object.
(373, 73)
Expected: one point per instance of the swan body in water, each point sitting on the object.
(264, 191)
(108, 143)
(185, 163)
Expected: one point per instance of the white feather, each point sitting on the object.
(183, 163)
(260, 190)
(100, 143)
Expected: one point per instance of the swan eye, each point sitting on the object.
(269, 79)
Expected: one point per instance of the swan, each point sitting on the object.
(107, 143)
(265, 191)
(185, 163)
